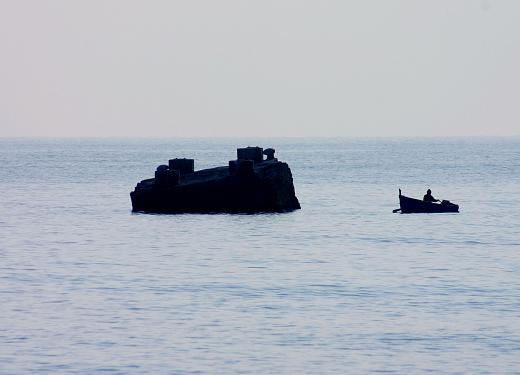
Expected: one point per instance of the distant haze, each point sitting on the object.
(259, 68)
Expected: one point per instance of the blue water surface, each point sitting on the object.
(341, 286)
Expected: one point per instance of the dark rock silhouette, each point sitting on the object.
(249, 184)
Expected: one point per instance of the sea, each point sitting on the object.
(342, 286)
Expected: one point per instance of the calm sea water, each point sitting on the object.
(342, 286)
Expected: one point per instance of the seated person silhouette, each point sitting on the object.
(428, 197)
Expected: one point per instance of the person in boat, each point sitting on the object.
(428, 197)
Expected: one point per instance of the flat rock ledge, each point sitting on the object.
(249, 184)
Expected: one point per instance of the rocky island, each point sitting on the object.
(249, 184)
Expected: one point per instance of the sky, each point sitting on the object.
(273, 68)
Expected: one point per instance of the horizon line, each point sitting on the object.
(261, 137)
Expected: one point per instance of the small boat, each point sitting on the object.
(412, 206)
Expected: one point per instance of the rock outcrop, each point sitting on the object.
(248, 184)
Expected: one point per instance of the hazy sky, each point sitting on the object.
(259, 68)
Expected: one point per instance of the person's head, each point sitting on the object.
(428, 191)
